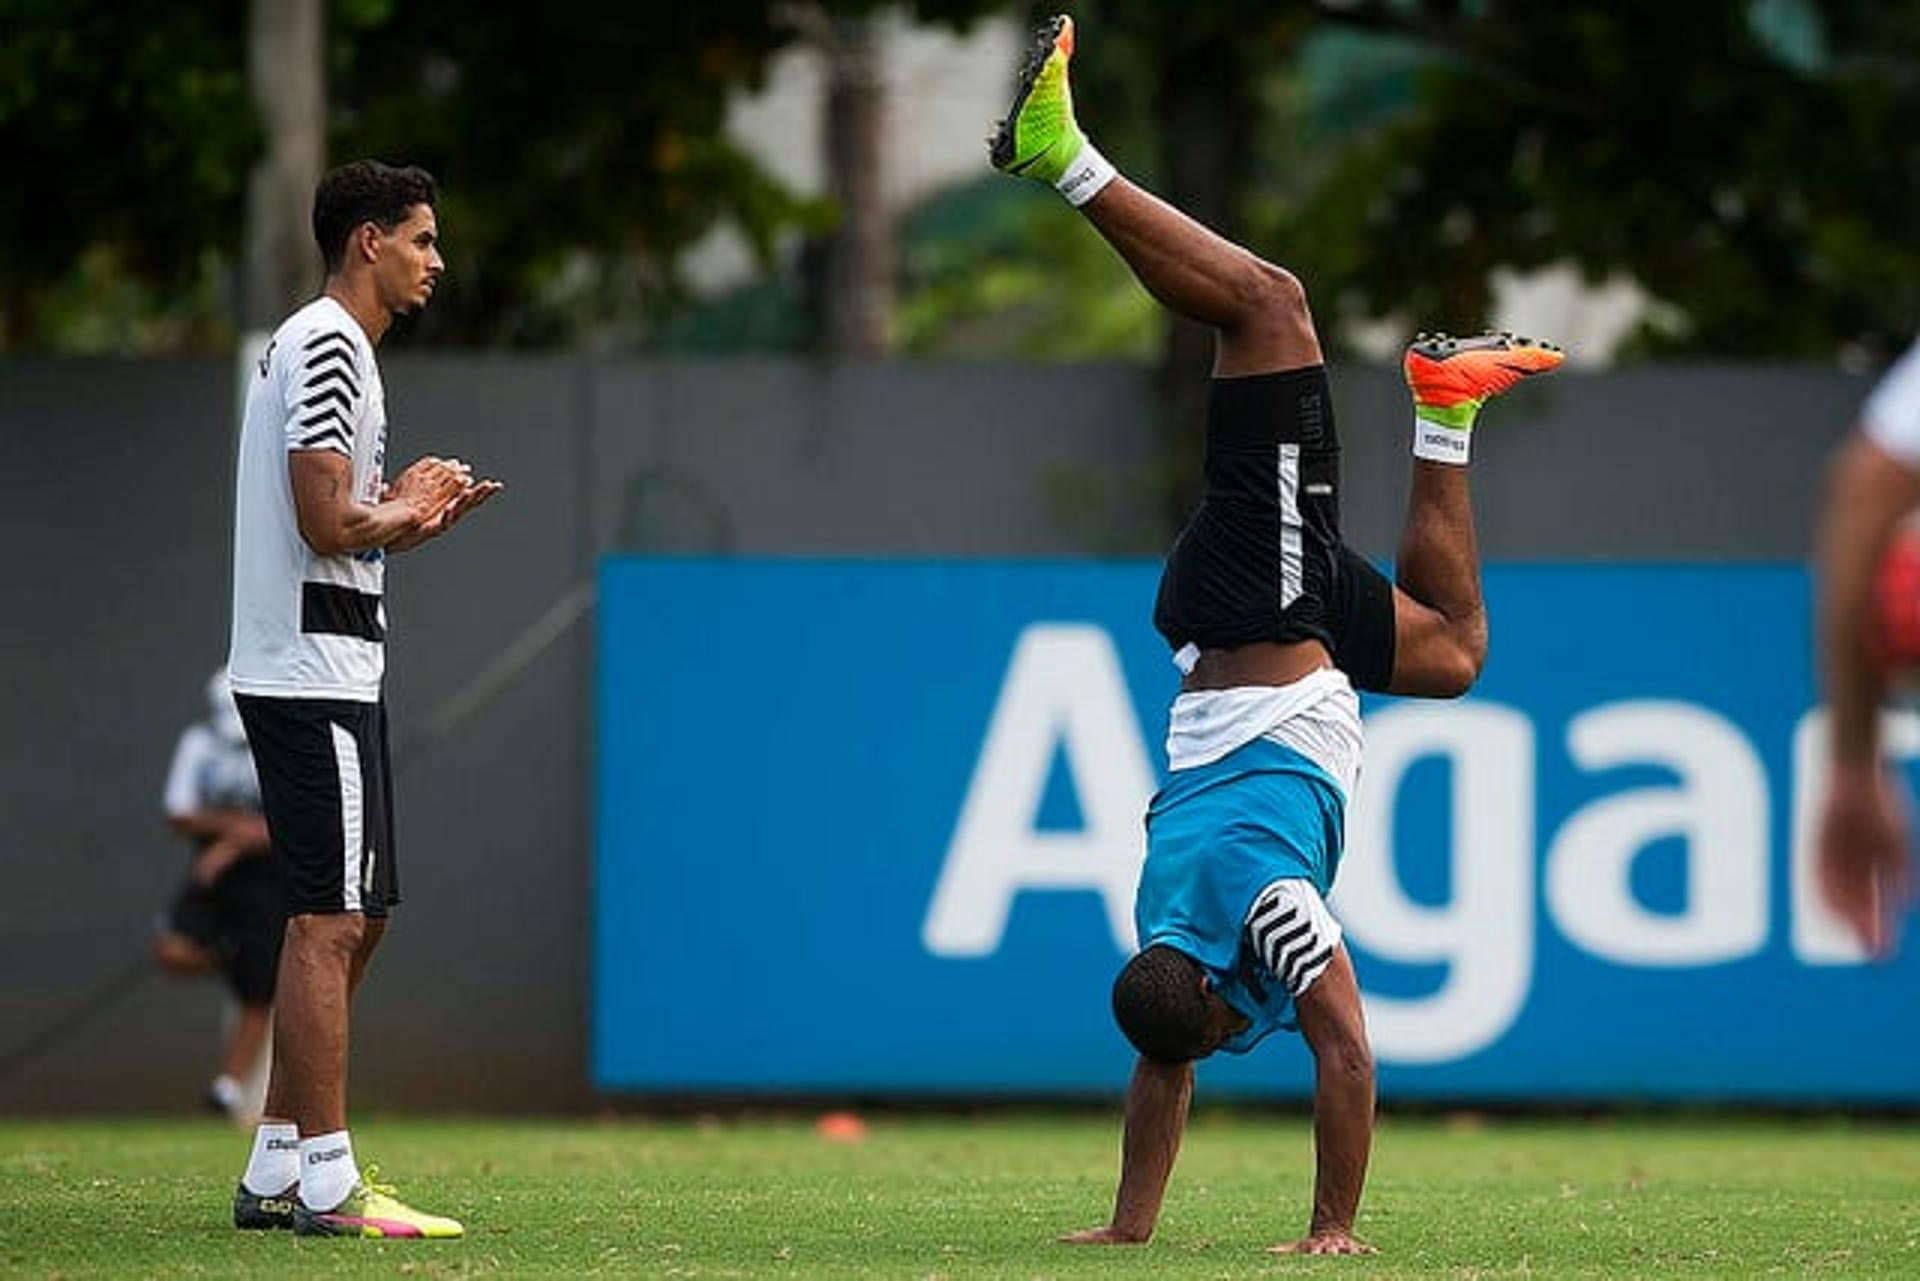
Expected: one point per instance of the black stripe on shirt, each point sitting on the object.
(328, 609)
(323, 395)
(328, 338)
(332, 438)
(1264, 910)
(325, 420)
(1276, 946)
(332, 374)
(331, 358)
(1301, 976)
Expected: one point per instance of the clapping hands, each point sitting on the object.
(440, 491)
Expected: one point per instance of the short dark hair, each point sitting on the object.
(365, 191)
(1159, 1004)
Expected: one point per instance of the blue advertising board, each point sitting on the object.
(873, 827)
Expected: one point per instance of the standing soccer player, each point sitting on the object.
(1273, 622)
(314, 521)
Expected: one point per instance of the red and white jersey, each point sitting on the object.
(306, 625)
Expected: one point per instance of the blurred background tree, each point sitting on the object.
(1750, 164)
(125, 134)
(1745, 165)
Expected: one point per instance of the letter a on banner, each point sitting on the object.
(1064, 691)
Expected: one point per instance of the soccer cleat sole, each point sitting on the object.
(366, 1228)
(1045, 40)
(1445, 371)
(1440, 347)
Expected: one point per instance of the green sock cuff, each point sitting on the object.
(1459, 417)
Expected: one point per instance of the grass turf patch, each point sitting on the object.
(922, 1197)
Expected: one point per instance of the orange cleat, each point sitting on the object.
(1452, 377)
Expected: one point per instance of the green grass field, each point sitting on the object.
(945, 1197)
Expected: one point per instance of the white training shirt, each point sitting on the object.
(1317, 716)
(306, 625)
(1892, 413)
(210, 771)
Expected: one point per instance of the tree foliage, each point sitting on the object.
(127, 131)
(579, 144)
(1751, 163)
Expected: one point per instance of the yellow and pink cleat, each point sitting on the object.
(372, 1210)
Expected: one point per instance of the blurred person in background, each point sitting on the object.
(314, 521)
(230, 911)
(1273, 622)
(1863, 862)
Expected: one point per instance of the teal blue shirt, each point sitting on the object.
(1219, 834)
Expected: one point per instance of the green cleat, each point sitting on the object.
(255, 1213)
(1039, 139)
(372, 1210)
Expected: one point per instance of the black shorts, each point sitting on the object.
(240, 920)
(326, 784)
(1262, 559)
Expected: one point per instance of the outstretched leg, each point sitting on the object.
(1440, 619)
(1258, 311)
(1261, 322)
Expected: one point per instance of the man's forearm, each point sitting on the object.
(418, 536)
(1342, 1139)
(361, 528)
(333, 522)
(1867, 493)
(1157, 1101)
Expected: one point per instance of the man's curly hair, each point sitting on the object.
(361, 192)
(1159, 1004)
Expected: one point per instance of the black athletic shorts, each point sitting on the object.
(239, 919)
(1262, 558)
(326, 785)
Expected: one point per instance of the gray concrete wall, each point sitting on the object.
(115, 491)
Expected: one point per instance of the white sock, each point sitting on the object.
(1086, 176)
(275, 1164)
(1439, 443)
(327, 1171)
